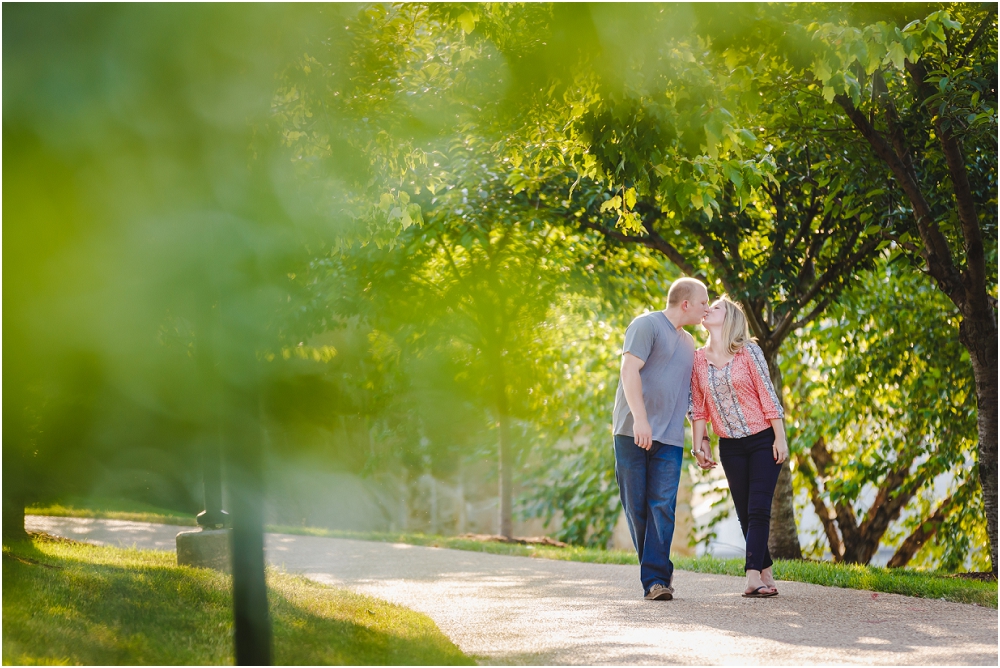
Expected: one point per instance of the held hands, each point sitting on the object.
(643, 433)
(703, 453)
(780, 449)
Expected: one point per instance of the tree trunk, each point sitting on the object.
(15, 475)
(783, 541)
(506, 524)
(979, 336)
(13, 517)
(251, 621)
(856, 544)
(506, 493)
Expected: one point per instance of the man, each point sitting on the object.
(650, 409)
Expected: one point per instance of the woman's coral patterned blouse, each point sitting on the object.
(738, 399)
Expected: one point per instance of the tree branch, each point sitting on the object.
(971, 44)
(905, 245)
(885, 509)
(881, 92)
(657, 243)
(817, 310)
(975, 274)
(846, 520)
(909, 547)
(807, 219)
(936, 251)
(723, 267)
(825, 515)
(843, 266)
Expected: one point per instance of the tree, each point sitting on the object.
(887, 408)
(929, 115)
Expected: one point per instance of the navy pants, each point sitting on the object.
(752, 475)
(647, 481)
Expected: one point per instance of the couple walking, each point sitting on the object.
(663, 379)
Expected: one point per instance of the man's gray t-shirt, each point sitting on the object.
(668, 354)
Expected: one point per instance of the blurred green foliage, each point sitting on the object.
(150, 229)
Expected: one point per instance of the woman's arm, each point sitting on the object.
(780, 447)
(701, 447)
(769, 401)
(697, 431)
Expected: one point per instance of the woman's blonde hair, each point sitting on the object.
(735, 329)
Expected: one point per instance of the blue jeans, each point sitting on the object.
(648, 480)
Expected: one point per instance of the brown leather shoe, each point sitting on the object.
(659, 592)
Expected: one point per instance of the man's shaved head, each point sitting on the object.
(684, 289)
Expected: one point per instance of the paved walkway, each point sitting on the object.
(514, 610)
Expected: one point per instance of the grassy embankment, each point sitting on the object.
(113, 509)
(71, 603)
(870, 578)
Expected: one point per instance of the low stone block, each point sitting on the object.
(204, 548)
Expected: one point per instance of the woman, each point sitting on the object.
(731, 388)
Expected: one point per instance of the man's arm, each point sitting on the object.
(632, 385)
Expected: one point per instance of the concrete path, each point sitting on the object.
(515, 610)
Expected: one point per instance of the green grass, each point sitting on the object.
(71, 603)
(854, 576)
(113, 509)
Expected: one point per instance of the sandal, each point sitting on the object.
(756, 593)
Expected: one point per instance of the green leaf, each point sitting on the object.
(897, 55)
(733, 175)
(467, 21)
(934, 28)
(416, 215)
(948, 23)
(822, 70)
(630, 198)
(748, 138)
(613, 203)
